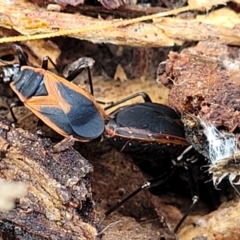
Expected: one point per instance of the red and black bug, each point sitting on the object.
(63, 106)
(153, 135)
(148, 131)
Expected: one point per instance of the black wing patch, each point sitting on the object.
(83, 117)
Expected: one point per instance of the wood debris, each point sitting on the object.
(58, 202)
(204, 81)
(204, 88)
(220, 224)
(163, 31)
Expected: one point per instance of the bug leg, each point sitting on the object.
(151, 183)
(40, 123)
(77, 67)
(13, 105)
(82, 63)
(20, 53)
(144, 95)
(74, 69)
(194, 193)
(45, 61)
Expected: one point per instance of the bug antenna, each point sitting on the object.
(20, 53)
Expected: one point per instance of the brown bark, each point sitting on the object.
(57, 203)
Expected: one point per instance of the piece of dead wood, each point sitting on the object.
(125, 11)
(204, 81)
(36, 23)
(221, 224)
(58, 202)
(204, 84)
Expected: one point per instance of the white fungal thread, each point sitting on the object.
(221, 144)
(223, 154)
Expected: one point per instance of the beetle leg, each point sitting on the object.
(150, 183)
(144, 95)
(105, 103)
(13, 105)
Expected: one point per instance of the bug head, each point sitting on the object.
(7, 72)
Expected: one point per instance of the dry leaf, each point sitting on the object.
(37, 23)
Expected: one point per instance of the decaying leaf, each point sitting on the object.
(35, 23)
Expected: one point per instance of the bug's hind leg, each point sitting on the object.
(150, 183)
(20, 104)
